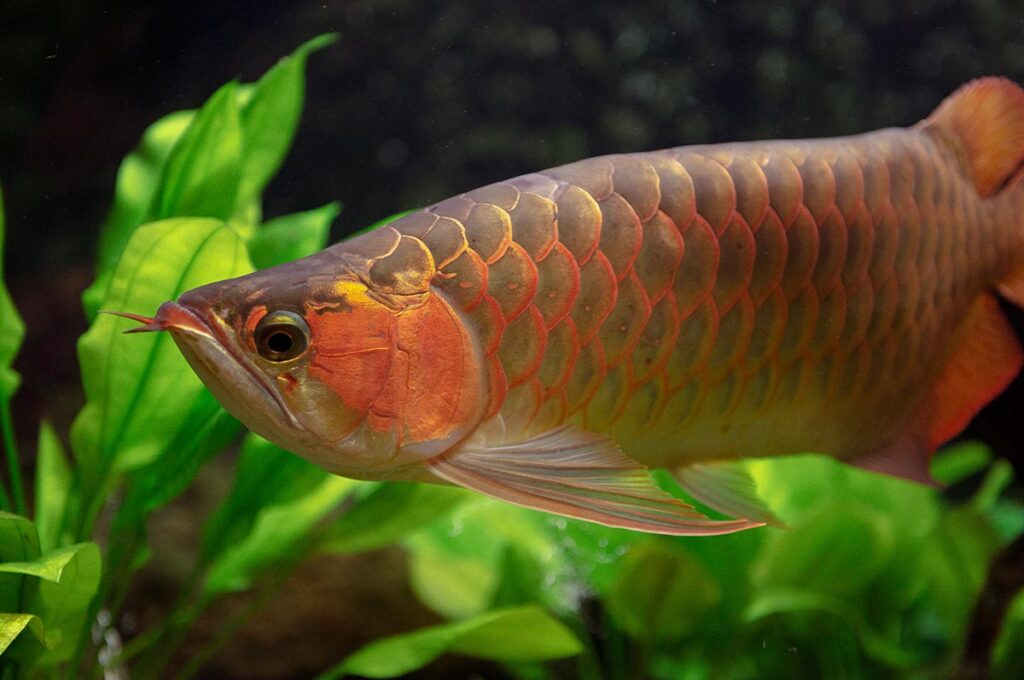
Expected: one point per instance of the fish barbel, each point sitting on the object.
(547, 339)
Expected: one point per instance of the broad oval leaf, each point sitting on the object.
(63, 605)
(661, 592)
(139, 389)
(511, 635)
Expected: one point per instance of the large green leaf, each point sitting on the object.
(12, 328)
(204, 169)
(63, 604)
(510, 635)
(661, 592)
(137, 181)
(139, 390)
(388, 513)
(276, 500)
(455, 565)
(293, 236)
(11, 626)
(270, 116)
(53, 484)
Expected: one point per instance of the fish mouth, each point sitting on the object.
(190, 330)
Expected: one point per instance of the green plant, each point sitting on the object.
(874, 578)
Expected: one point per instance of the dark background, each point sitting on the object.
(423, 99)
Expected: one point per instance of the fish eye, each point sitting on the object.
(281, 336)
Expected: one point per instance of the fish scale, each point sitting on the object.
(670, 295)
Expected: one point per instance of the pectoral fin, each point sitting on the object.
(578, 474)
(728, 488)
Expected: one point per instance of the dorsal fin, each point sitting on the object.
(983, 122)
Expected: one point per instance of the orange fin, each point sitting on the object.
(728, 488)
(983, 122)
(578, 474)
(986, 360)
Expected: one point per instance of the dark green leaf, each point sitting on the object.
(12, 328)
(293, 236)
(53, 484)
(661, 593)
(277, 499)
(511, 635)
(139, 390)
(270, 116)
(389, 513)
(202, 174)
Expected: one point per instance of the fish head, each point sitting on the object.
(367, 373)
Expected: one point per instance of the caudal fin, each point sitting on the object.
(983, 122)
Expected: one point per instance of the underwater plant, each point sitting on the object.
(873, 576)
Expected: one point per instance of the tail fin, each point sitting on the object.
(983, 122)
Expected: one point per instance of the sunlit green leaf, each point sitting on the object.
(389, 513)
(290, 237)
(661, 593)
(455, 563)
(269, 118)
(48, 566)
(519, 634)
(954, 463)
(64, 606)
(139, 390)
(12, 328)
(53, 484)
(11, 626)
(202, 174)
(817, 556)
(137, 180)
(277, 499)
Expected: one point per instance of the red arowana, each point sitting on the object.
(546, 339)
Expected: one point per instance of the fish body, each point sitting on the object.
(546, 339)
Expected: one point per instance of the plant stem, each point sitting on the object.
(1005, 580)
(13, 462)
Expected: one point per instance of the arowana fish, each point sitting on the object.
(548, 339)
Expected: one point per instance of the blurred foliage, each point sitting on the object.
(874, 577)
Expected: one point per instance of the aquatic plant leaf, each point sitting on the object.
(12, 328)
(893, 651)
(12, 625)
(511, 635)
(276, 500)
(18, 543)
(70, 578)
(661, 592)
(819, 555)
(140, 392)
(291, 237)
(137, 181)
(389, 513)
(203, 171)
(53, 484)
(269, 118)
(48, 566)
(455, 563)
